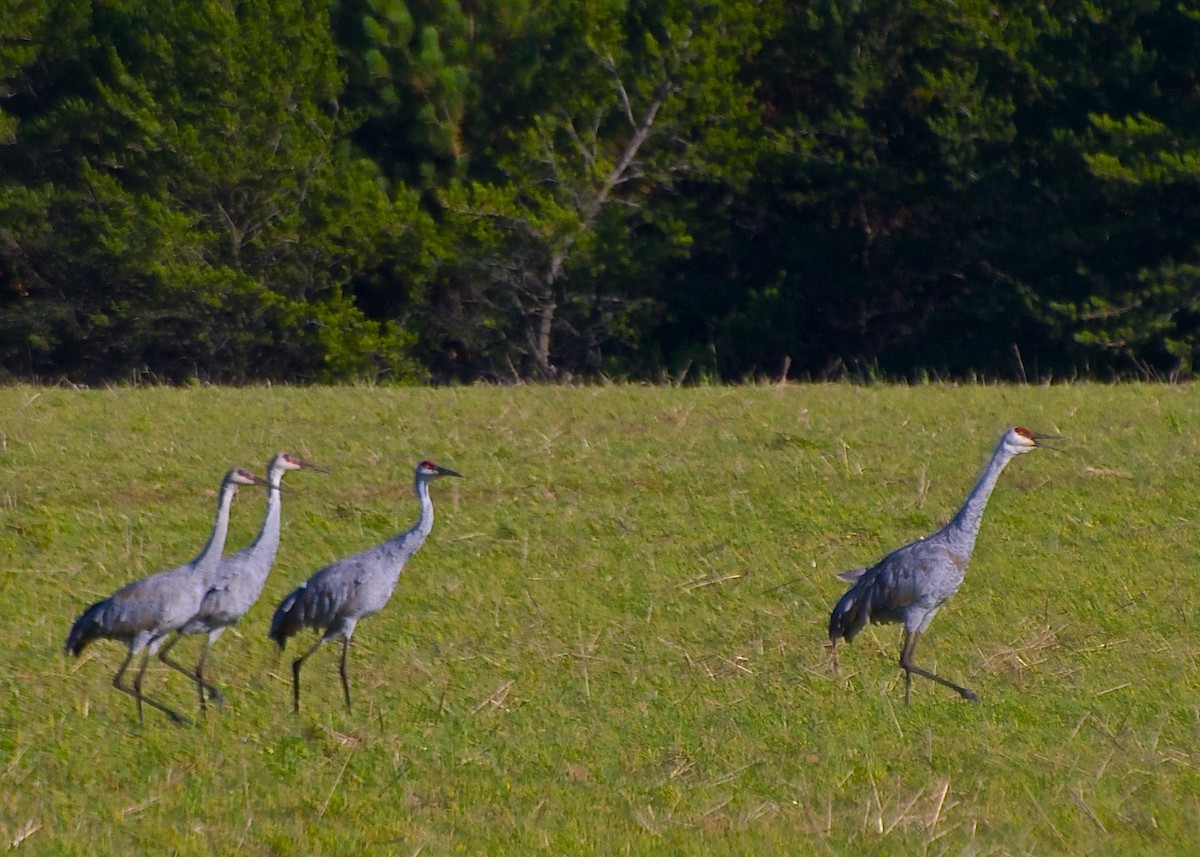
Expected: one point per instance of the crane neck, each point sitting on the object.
(424, 523)
(964, 527)
(268, 535)
(211, 554)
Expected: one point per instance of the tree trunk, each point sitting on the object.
(545, 323)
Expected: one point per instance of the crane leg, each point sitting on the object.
(195, 675)
(136, 690)
(216, 694)
(296, 664)
(345, 680)
(906, 663)
(117, 684)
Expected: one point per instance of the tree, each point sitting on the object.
(438, 82)
(646, 97)
(202, 216)
(1136, 299)
(862, 240)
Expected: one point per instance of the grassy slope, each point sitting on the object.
(614, 641)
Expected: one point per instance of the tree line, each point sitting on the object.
(454, 190)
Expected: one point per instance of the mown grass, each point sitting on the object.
(614, 640)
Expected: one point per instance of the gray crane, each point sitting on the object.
(911, 583)
(238, 579)
(142, 613)
(337, 596)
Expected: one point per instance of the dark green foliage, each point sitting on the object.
(311, 191)
(1139, 297)
(867, 238)
(568, 224)
(198, 214)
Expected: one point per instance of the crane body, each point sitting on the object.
(142, 613)
(238, 579)
(910, 584)
(334, 599)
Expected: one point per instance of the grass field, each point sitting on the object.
(614, 642)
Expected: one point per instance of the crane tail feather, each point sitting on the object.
(852, 575)
(849, 616)
(89, 626)
(288, 619)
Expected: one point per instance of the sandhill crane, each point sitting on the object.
(238, 579)
(911, 583)
(144, 612)
(337, 596)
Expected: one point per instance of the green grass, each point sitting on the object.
(614, 640)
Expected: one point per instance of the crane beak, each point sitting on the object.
(446, 471)
(308, 465)
(1039, 438)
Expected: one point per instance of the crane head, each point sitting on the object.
(1020, 439)
(242, 476)
(284, 462)
(431, 470)
(294, 462)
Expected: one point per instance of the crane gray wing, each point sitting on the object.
(320, 600)
(883, 592)
(143, 603)
(904, 577)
